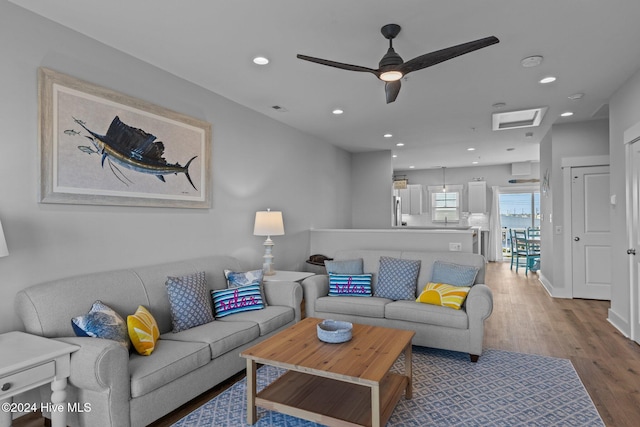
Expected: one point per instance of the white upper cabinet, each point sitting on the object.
(411, 199)
(477, 197)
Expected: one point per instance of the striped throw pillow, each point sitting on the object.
(350, 284)
(444, 295)
(237, 300)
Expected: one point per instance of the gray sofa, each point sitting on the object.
(435, 326)
(131, 390)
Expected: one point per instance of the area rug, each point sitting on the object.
(502, 389)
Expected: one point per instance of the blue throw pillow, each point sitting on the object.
(347, 266)
(239, 278)
(350, 284)
(453, 274)
(189, 301)
(102, 322)
(237, 300)
(397, 278)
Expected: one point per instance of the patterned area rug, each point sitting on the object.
(502, 389)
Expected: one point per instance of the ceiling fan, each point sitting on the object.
(392, 67)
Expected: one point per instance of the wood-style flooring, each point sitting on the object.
(526, 319)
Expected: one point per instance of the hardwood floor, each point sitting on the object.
(526, 319)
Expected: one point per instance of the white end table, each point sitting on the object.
(29, 361)
(287, 276)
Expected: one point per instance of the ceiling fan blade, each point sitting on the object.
(392, 89)
(433, 58)
(338, 64)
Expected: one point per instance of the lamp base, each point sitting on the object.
(267, 265)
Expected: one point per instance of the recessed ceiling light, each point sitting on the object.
(531, 61)
(337, 111)
(567, 114)
(576, 96)
(387, 135)
(400, 144)
(499, 105)
(471, 149)
(260, 60)
(510, 149)
(548, 79)
(394, 155)
(412, 167)
(474, 163)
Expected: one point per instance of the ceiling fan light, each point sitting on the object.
(391, 76)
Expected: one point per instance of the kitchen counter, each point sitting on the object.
(328, 241)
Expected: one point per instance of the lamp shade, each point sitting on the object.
(268, 223)
(3, 243)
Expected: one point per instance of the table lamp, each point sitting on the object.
(268, 223)
(3, 243)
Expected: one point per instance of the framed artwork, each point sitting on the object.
(101, 147)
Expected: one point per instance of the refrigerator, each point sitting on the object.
(396, 220)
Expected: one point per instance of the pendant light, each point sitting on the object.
(444, 185)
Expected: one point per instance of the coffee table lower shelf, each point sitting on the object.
(330, 401)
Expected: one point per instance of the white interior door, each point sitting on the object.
(590, 225)
(634, 240)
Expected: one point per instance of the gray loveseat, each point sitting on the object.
(131, 390)
(435, 326)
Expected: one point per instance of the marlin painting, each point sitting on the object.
(133, 149)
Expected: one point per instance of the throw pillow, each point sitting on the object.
(347, 266)
(253, 277)
(353, 285)
(101, 322)
(189, 301)
(397, 278)
(444, 295)
(237, 300)
(453, 274)
(143, 331)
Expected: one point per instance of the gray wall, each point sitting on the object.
(590, 138)
(371, 190)
(256, 162)
(624, 110)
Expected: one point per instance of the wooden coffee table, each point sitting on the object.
(347, 384)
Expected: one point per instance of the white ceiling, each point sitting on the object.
(591, 46)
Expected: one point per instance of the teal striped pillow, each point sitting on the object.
(237, 300)
(350, 284)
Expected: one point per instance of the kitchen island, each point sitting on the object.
(328, 241)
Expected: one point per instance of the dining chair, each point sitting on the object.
(528, 248)
(518, 247)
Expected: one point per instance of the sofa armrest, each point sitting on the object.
(99, 364)
(479, 305)
(314, 287)
(288, 294)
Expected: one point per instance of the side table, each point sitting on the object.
(29, 361)
(287, 276)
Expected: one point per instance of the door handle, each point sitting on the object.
(631, 251)
(576, 238)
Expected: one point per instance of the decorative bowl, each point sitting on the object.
(334, 331)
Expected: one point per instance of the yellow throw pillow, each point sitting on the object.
(143, 331)
(444, 295)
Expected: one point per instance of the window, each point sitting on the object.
(520, 210)
(445, 205)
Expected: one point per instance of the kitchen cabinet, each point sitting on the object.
(411, 199)
(477, 197)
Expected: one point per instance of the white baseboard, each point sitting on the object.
(553, 292)
(619, 323)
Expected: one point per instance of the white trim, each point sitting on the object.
(631, 136)
(568, 231)
(520, 189)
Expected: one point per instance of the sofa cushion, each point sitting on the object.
(445, 295)
(170, 360)
(397, 278)
(416, 312)
(347, 266)
(237, 300)
(357, 285)
(189, 301)
(270, 319)
(356, 306)
(143, 331)
(453, 274)
(222, 337)
(102, 322)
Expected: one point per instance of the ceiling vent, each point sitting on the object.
(518, 119)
